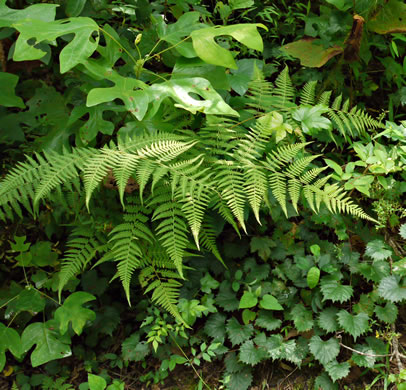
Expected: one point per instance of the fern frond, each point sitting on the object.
(207, 237)
(307, 96)
(83, 243)
(165, 287)
(172, 230)
(126, 252)
(284, 91)
(231, 185)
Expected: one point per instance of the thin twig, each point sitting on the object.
(363, 353)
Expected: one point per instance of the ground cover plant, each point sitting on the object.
(183, 191)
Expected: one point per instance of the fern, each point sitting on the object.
(158, 276)
(83, 243)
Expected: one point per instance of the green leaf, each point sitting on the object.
(8, 98)
(342, 5)
(209, 51)
(248, 316)
(302, 317)
(324, 382)
(355, 325)
(128, 347)
(324, 351)
(44, 12)
(402, 231)
(399, 267)
(313, 277)
(328, 319)
(240, 380)
(49, 344)
(43, 255)
(388, 313)
(27, 300)
(174, 33)
(238, 333)
(378, 250)
(390, 18)
(249, 299)
(74, 7)
(375, 271)
(182, 91)
(208, 283)
(263, 246)
(335, 291)
(337, 370)
(250, 354)
(226, 297)
(266, 320)
(73, 311)
(20, 245)
(10, 340)
(216, 326)
(96, 382)
(390, 290)
(269, 302)
(77, 51)
(240, 4)
(363, 360)
(311, 120)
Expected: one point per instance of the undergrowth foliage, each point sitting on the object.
(202, 190)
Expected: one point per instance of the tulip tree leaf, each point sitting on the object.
(8, 98)
(212, 53)
(10, 340)
(43, 12)
(81, 47)
(73, 311)
(49, 344)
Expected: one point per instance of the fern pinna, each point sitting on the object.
(181, 180)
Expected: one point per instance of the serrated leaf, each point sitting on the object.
(335, 291)
(324, 351)
(324, 382)
(240, 380)
(302, 317)
(389, 289)
(250, 354)
(249, 299)
(313, 277)
(49, 344)
(337, 370)
(388, 313)
(128, 347)
(73, 311)
(355, 325)
(263, 246)
(367, 361)
(378, 250)
(267, 321)
(238, 333)
(399, 267)
(328, 319)
(375, 272)
(226, 297)
(402, 231)
(269, 302)
(216, 326)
